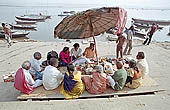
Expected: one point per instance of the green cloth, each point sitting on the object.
(120, 77)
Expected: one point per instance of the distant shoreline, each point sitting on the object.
(64, 5)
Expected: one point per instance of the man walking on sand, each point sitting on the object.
(8, 34)
(150, 34)
(121, 39)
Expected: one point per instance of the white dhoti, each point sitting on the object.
(81, 60)
(111, 81)
(37, 83)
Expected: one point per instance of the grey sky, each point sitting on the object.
(148, 3)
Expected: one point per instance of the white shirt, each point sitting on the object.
(76, 53)
(130, 35)
(143, 66)
(52, 77)
(35, 66)
(28, 77)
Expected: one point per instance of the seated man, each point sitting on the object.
(96, 84)
(76, 52)
(52, 77)
(117, 81)
(51, 54)
(23, 79)
(90, 52)
(142, 64)
(36, 69)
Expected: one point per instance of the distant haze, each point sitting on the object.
(122, 3)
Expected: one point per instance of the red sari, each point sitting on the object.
(20, 82)
(95, 84)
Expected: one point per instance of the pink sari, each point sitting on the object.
(95, 84)
(20, 82)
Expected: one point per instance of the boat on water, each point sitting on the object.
(159, 22)
(31, 18)
(17, 26)
(71, 12)
(38, 15)
(145, 26)
(25, 22)
(15, 34)
(66, 13)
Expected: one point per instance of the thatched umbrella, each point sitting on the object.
(91, 23)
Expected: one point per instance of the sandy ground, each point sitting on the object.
(158, 57)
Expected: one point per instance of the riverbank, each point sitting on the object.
(157, 55)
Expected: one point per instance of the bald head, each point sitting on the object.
(26, 65)
(119, 64)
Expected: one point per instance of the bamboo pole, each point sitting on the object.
(92, 34)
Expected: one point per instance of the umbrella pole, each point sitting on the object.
(92, 33)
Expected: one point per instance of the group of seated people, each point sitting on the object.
(35, 73)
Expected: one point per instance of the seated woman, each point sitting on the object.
(133, 75)
(23, 79)
(73, 86)
(96, 84)
(64, 56)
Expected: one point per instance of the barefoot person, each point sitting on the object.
(76, 52)
(129, 41)
(36, 69)
(23, 79)
(52, 77)
(120, 41)
(8, 34)
(90, 52)
(72, 86)
(96, 83)
(142, 64)
(64, 56)
(150, 34)
(117, 81)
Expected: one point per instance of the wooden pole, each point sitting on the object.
(92, 34)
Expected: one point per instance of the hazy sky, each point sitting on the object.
(145, 3)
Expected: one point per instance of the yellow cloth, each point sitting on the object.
(135, 84)
(77, 90)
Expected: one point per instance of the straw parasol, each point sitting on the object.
(91, 23)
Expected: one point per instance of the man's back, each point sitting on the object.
(52, 77)
(121, 40)
(120, 77)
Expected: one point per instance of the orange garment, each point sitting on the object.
(88, 53)
(136, 75)
(95, 84)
